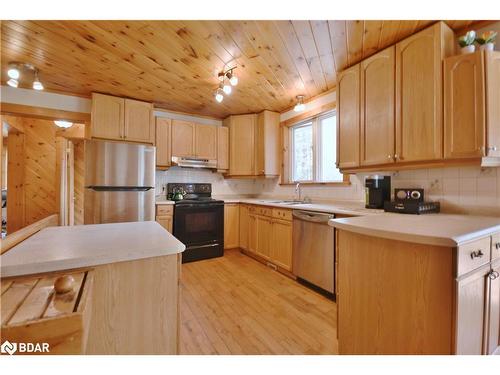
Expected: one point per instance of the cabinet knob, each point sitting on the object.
(396, 156)
(497, 246)
(492, 148)
(493, 275)
(476, 254)
(389, 156)
(64, 284)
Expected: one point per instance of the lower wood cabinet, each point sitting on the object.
(244, 226)
(281, 243)
(231, 225)
(264, 233)
(493, 344)
(165, 216)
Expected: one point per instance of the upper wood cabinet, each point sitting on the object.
(194, 140)
(267, 144)
(222, 148)
(163, 142)
(472, 98)
(205, 142)
(139, 125)
(121, 119)
(242, 129)
(254, 144)
(183, 138)
(377, 108)
(419, 106)
(348, 116)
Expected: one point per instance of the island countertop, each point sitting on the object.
(69, 247)
(430, 229)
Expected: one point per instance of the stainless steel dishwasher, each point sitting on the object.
(313, 249)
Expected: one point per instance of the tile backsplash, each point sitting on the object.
(465, 190)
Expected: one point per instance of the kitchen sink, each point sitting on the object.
(287, 202)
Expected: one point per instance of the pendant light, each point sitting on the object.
(219, 93)
(13, 82)
(37, 85)
(233, 79)
(300, 106)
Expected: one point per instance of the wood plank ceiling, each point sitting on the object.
(175, 63)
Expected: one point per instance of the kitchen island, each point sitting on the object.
(136, 270)
(411, 284)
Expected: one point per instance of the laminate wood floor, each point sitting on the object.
(236, 305)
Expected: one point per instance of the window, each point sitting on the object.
(313, 150)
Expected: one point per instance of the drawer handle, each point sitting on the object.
(476, 254)
(493, 275)
(497, 246)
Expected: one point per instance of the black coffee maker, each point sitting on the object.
(377, 191)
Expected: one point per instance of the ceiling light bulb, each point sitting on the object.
(219, 97)
(12, 82)
(233, 80)
(13, 73)
(37, 85)
(300, 106)
(227, 89)
(63, 123)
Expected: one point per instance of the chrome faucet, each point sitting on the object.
(298, 191)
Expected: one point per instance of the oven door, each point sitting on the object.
(199, 223)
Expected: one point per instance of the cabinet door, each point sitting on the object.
(244, 226)
(377, 108)
(139, 126)
(281, 244)
(222, 148)
(348, 120)
(418, 96)
(107, 117)
(252, 233)
(464, 117)
(205, 142)
(492, 61)
(494, 310)
(242, 145)
(263, 236)
(183, 138)
(163, 142)
(165, 222)
(231, 226)
(471, 304)
(267, 144)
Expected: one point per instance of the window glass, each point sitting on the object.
(328, 150)
(302, 138)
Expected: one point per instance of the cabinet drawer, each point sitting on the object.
(282, 214)
(495, 246)
(164, 210)
(473, 255)
(264, 211)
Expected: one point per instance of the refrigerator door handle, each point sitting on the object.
(120, 188)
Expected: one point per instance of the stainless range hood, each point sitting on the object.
(190, 162)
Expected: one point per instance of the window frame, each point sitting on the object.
(288, 148)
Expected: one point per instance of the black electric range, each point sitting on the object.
(198, 221)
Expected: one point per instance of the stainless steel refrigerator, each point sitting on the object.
(119, 182)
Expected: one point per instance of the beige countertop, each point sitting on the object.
(163, 200)
(430, 229)
(61, 248)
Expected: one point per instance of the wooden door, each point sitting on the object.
(163, 142)
(494, 309)
(244, 224)
(165, 221)
(107, 117)
(464, 117)
(231, 225)
(242, 145)
(348, 118)
(139, 126)
(281, 244)
(222, 148)
(492, 62)
(206, 141)
(418, 96)
(252, 233)
(264, 236)
(377, 108)
(470, 316)
(183, 138)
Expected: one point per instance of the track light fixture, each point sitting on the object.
(14, 72)
(227, 79)
(300, 106)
